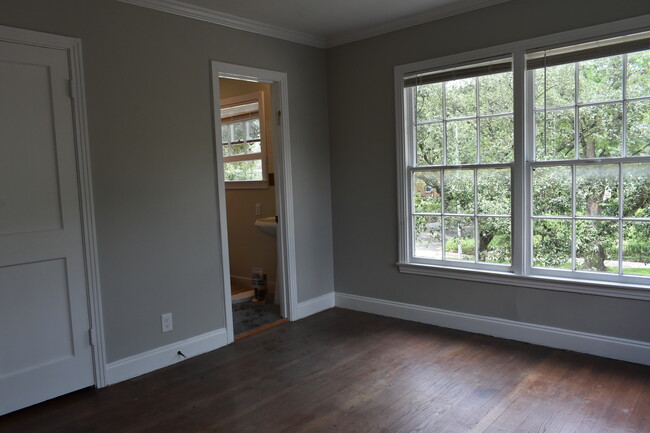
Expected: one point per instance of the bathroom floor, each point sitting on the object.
(251, 315)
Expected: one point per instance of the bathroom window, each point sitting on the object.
(243, 141)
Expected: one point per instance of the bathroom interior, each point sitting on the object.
(250, 205)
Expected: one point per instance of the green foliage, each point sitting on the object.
(467, 246)
(459, 191)
(551, 243)
(565, 129)
(243, 170)
(638, 128)
(460, 98)
(555, 135)
(461, 142)
(429, 144)
(600, 131)
(496, 139)
(636, 242)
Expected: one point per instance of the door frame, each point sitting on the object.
(84, 181)
(283, 183)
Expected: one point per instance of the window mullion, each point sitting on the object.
(520, 177)
(620, 219)
(476, 237)
(624, 104)
(574, 222)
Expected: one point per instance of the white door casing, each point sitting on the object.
(46, 237)
(286, 278)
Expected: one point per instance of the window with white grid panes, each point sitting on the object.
(243, 142)
(579, 174)
(590, 169)
(462, 151)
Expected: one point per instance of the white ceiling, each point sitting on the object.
(321, 23)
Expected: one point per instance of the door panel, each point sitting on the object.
(44, 318)
(28, 174)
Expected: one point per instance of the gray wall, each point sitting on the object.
(151, 141)
(362, 129)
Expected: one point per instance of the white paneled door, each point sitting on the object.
(45, 348)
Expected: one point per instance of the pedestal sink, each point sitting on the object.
(267, 225)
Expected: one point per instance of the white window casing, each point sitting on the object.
(524, 56)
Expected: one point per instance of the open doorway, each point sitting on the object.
(249, 176)
(255, 196)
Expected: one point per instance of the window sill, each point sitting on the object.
(590, 287)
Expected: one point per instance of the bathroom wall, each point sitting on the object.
(247, 245)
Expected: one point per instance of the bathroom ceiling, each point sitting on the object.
(322, 23)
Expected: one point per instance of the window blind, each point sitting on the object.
(588, 51)
(430, 77)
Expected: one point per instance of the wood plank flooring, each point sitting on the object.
(345, 371)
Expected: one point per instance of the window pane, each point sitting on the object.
(638, 127)
(597, 246)
(225, 134)
(461, 142)
(238, 131)
(601, 131)
(494, 191)
(597, 190)
(243, 170)
(428, 102)
(497, 138)
(428, 240)
(461, 97)
(636, 248)
(242, 149)
(253, 129)
(552, 244)
(494, 243)
(429, 144)
(636, 190)
(459, 238)
(426, 192)
(559, 84)
(495, 93)
(601, 79)
(555, 136)
(638, 74)
(552, 191)
(459, 191)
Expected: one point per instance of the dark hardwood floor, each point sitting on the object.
(345, 371)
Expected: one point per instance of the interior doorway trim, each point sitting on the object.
(283, 183)
(84, 180)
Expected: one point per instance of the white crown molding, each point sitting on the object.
(438, 13)
(180, 8)
(209, 15)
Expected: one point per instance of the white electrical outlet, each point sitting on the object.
(166, 322)
(258, 209)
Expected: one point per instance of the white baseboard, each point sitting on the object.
(601, 345)
(314, 305)
(240, 281)
(160, 357)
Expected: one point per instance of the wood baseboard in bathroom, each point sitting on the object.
(260, 329)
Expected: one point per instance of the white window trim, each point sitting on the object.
(520, 274)
(254, 184)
